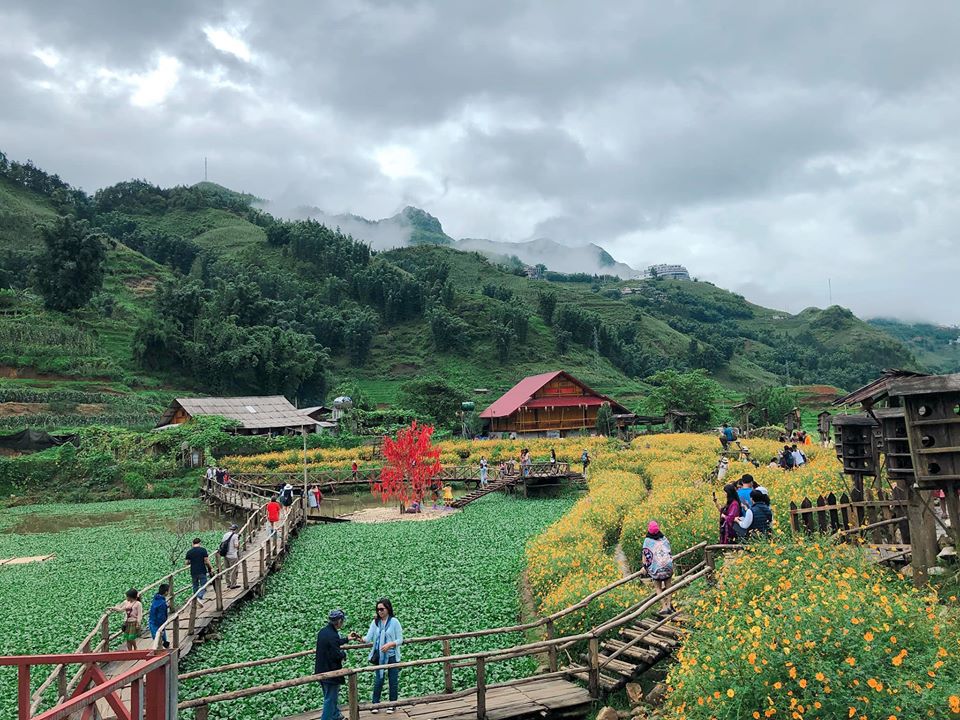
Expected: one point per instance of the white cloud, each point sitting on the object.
(153, 87)
(48, 56)
(228, 42)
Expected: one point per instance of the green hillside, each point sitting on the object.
(935, 346)
(203, 292)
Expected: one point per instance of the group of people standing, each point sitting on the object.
(745, 512)
(789, 458)
(385, 636)
(215, 474)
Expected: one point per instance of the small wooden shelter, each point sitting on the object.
(267, 415)
(824, 421)
(744, 410)
(554, 403)
(679, 420)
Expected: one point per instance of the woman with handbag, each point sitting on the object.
(386, 635)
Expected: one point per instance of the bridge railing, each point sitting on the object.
(478, 661)
(151, 685)
(345, 476)
(263, 555)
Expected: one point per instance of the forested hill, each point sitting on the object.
(202, 291)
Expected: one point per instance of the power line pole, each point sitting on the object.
(830, 290)
(204, 168)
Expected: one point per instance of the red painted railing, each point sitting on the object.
(150, 685)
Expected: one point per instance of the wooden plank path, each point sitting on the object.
(617, 651)
(541, 697)
(260, 553)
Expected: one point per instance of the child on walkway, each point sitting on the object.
(132, 617)
(658, 562)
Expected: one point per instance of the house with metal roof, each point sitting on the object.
(552, 404)
(266, 415)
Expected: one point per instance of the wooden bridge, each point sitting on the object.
(260, 552)
(332, 478)
(608, 654)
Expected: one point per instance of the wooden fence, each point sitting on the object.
(875, 516)
(447, 662)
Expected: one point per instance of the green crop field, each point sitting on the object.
(450, 575)
(52, 605)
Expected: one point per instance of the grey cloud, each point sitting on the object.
(766, 146)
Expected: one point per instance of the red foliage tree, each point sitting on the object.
(411, 462)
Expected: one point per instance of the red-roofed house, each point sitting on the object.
(550, 402)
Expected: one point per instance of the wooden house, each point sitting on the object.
(553, 404)
(270, 415)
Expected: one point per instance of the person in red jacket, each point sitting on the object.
(273, 514)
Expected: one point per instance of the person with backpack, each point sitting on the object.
(786, 458)
(386, 636)
(762, 523)
(229, 550)
(585, 461)
(658, 562)
(286, 495)
(159, 609)
(483, 471)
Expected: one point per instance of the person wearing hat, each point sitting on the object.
(658, 562)
(286, 495)
(230, 552)
(330, 657)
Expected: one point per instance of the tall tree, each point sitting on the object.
(70, 270)
(692, 391)
(605, 423)
(411, 462)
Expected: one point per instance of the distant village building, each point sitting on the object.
(268, 415)
(667, 272)
(553, 404)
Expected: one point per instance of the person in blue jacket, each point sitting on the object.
(386, 635)
(158, 613)
(329, 657)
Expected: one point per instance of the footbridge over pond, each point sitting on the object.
(576, 666)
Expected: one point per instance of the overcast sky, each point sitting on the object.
(768, 146)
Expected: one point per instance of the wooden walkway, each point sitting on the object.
(260, 552)
(503, 483)
(539, 698)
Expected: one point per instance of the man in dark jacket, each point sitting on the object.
(330, 657)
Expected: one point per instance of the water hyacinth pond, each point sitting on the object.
(102, 550)
(455, 574)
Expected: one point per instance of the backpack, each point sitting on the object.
(225, 546)
(661, 566)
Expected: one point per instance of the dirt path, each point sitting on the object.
(392, 514)
(621, 559)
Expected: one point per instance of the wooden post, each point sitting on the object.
(202, 712)
(552, 650)
(353, 697)
(62, 682)
(171, 593)
(23, 692)
(481, 688)
(105, 634)
(218, 586)
(593, 649)
(262, 562)
(447, 669)
(953, 511)
(193, 616)
(176, 631)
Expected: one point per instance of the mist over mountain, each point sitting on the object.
(413, 226)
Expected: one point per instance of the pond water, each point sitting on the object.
(346, 502)
(200, 520)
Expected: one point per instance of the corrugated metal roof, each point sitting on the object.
(253, 412)
(877, 390)
(520, 394)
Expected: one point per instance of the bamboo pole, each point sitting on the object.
(593, 651)
(552, 650)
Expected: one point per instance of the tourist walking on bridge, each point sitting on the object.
(387, 636)
(159, 610)
(230, 552)
(200, 569)
(329, 657)
(483, 471)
